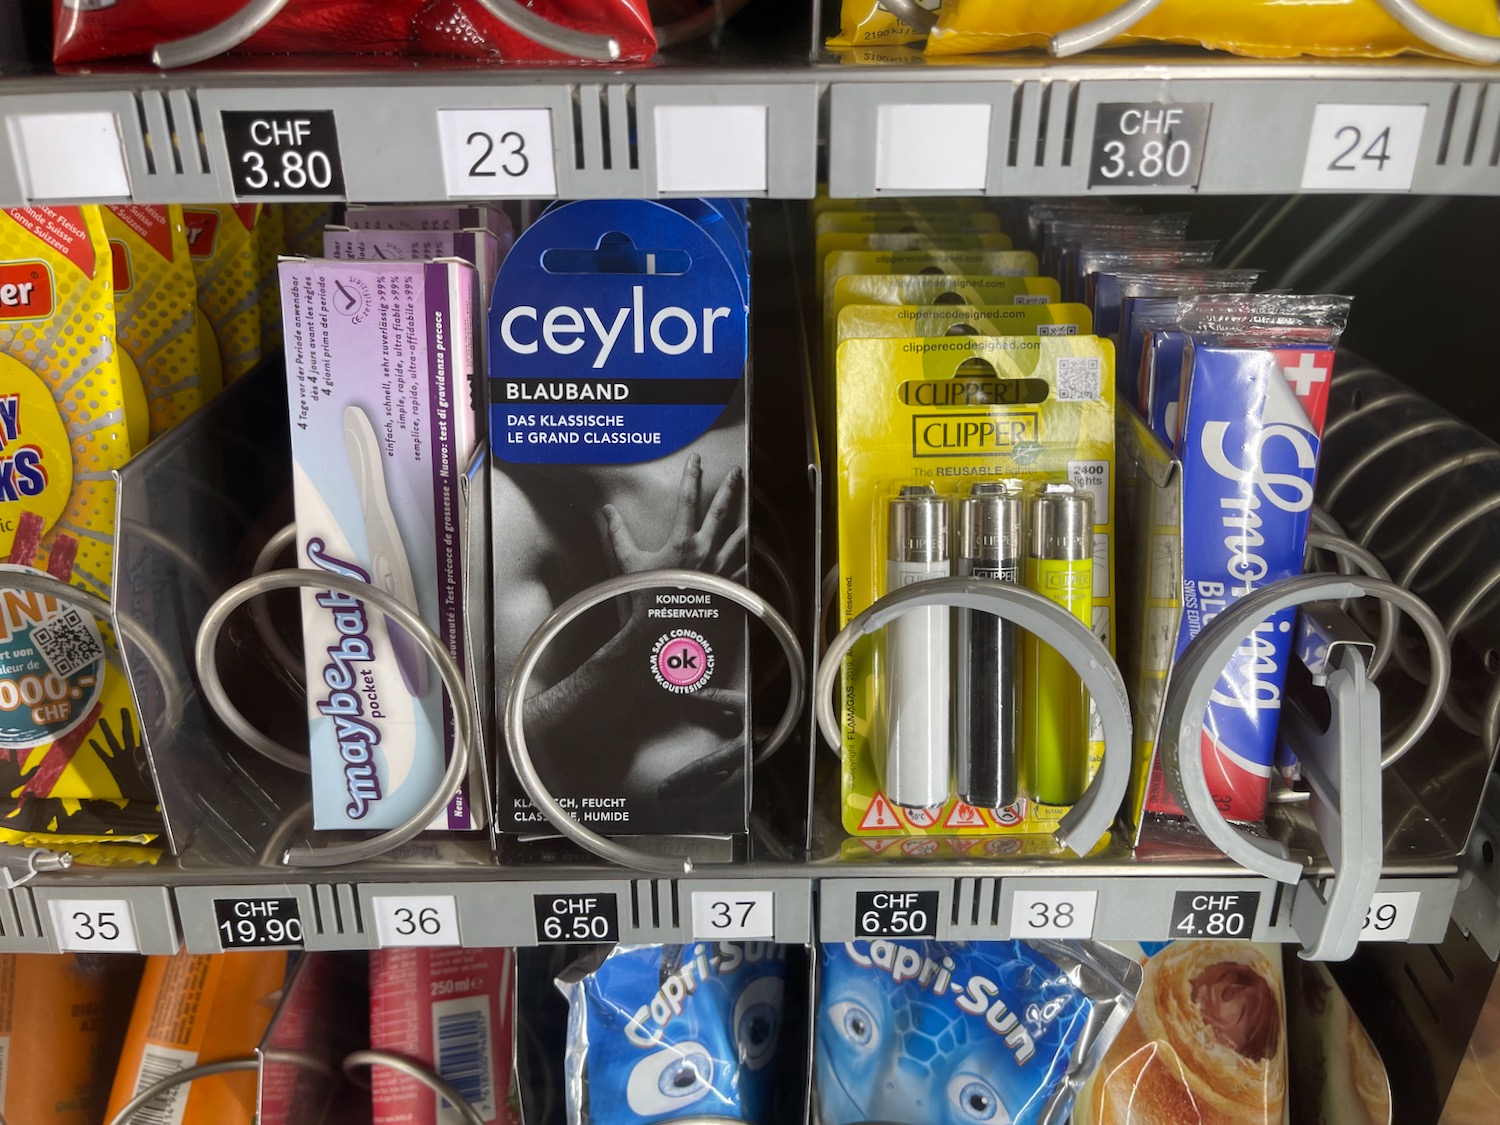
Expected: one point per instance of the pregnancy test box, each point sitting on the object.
(379, 357)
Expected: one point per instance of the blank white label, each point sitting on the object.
(497, 153)
(1062, 914)
(69, 156)
(1390, 916)
(1364, 147)
(94, 925)
(711, 149)
(748, 915)
(932, 147)
(416, 920)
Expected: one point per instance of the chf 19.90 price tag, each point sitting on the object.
(1148, 145)
(1225, 915)
(563, 919)
(895, 914)
(284, 153)
(258, 923)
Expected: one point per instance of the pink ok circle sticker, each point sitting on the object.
(682, 661)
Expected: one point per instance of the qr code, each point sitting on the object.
(68, 643)
(1077, 378)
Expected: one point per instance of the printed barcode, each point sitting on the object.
(167, 1107)
(68, 643)
(1077, 378)
(462, 1041)
(1033, 299)
(1057, 329)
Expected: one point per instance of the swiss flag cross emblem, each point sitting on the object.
(880, 816)
(1308, 372)
(964, 816)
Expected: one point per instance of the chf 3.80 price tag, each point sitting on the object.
(284, 153)
(1148, 145)
(563, 919)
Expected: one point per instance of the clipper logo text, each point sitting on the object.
(349, 686)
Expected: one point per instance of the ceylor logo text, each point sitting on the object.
(565, 330)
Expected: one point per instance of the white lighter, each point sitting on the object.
(917, 682)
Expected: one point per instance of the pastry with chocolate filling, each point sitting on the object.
(1206, 1044)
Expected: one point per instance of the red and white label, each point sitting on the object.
(1309, 374)
(202, 231)
(880, 816)
(25, 290)
(964, 816)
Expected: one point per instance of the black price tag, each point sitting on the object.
(566, 919)
(284, 153)
(258, 923)
(1148, 145)
(1215, 914)
(895, 914)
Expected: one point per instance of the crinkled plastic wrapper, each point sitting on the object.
(867, 23)
(674, 1033)
(1257, 28)
(949, 1032)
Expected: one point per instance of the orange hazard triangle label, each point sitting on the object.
(964, 816)
(880, 815)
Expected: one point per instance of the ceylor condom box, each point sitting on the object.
(379, 357)
(1250, 434)
(619, 441)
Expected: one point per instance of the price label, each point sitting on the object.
(1226, 915)
(94, 925)
(284, 153)
(494, 153)
(258, 923)
(895, 914)
(416, 920)
(1061, 914)
(711, 149)
(1390, 916)
(1364, 147)
(932, 147)
(69, 156)
(566, 919)
(734, 914)
(1149, 144)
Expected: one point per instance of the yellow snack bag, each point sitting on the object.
(933, 418)
(67, 721)
(866, 23)
(229, 272)
(916, 222)
(1259, 28)
(865, 322)
(155, 311)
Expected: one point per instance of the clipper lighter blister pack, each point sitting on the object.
(989, 456)
(195, 1009)
(620, 441)
(155, 307)
(919, 321)
(1250, 434)
(980, 263)
(67, 721)
(916, 221)
(954, 1033)
(229, 267)
(378, 360)
(674, 1033)
(452, 1010)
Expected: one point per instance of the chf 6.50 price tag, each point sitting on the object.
(895, 914)
(563, 919)
(284, 153)
(1143, 145)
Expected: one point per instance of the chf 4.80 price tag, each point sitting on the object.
(284, 153)
(566, 919)
(1225, 915)
(94, 926)
(416, 920)
(1141, 145)
(258, 923)
(1061, 914)
(747, 915)
(895, 914)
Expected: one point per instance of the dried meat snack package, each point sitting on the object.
(231, 280)
(68, 727)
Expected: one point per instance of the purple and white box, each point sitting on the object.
(379, 357)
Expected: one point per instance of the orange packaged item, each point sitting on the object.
(60, 1034)
(194, 1009)
(1258, 28)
